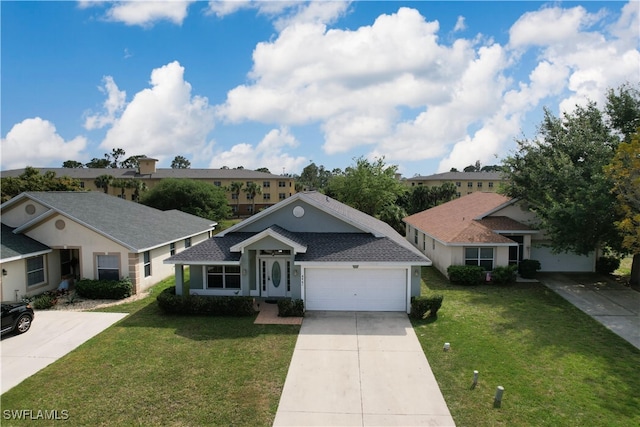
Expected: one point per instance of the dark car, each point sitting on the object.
(16, 316)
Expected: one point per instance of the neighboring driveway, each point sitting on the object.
(615, 306)
(360, 369)
(52, 335)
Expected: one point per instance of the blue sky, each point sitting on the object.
(278, 84)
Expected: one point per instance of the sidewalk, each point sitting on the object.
(615, 306)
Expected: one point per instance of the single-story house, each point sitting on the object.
(308, 247)
(489, 230)
(50, 235)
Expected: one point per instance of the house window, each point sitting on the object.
(234, 209)
(249, 183)
(266, 184)
(108, 267)
(288, 276)
(470, 184)
(187, 242)
(35, 270)
(223, 277)
(266, 196)
(490, 184)
(217, 183)
(250, 209)
(458, 194)
(282, 184)
(424, 242)
(147, 264)
(415, 236)
(458, 184)
(81, 184)
(234, 196)
(282, 196)
(479, 256)
(433, 244)
(249, 196)
(172, 248)
(479, 185)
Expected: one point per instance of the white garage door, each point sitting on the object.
(359, 289)
(563, 262)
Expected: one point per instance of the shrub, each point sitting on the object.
(44, 301)
(528, 268)
(607, 264)
(468, 275)
(421, 305)
(104, 289)
(290, 308)
(171, 303)
(504, 274)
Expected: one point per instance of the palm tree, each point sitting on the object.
(138, 187)
(235, 188)
(121, 184)
(104, 181)
(252, 191)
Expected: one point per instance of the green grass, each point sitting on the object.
(152, 369)
(558, 366)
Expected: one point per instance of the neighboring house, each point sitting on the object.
(308, 247)
(274, 188)
(465, 182)
(50, 235)
(489, 230)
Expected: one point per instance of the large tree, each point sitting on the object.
(315, 177)
(367, 186)
(624, 170)
(560, 175)
(191, 196)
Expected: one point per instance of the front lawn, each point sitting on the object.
(153, 369)
(558, 366)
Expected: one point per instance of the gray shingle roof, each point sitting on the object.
(452, 176)
(321, 247)
(136, 226)
(16, 246)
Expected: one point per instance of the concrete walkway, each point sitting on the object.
(52, 335)
(615, 306)
(360, 369)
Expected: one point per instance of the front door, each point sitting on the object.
(273, 280)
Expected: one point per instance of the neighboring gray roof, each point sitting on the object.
(452, 176)
(17, 246)
(131, 224)
(92, 173)
(321, 247)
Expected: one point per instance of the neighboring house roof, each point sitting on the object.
(465, 220)
(135, 226)
(17, 246)
(377, 243)
(92, 173)
(453, 176)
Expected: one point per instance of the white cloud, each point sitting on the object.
(113, 105)
(269, 153)
(35, 142)
(460, 24)
(163, 120)
(146, 13)
(284, 13)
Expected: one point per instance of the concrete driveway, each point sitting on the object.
(360, 369)
(615, 306)
(52, 335)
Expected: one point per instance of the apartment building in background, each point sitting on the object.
(465, 182)
(274, 188)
